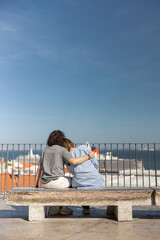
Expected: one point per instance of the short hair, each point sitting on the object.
(55, 138)
(67, 143)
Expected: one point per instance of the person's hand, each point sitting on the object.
(92, 154)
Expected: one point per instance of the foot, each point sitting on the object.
(54, 210)
(86, 210)
(65, 210)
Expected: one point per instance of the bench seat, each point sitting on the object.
(119, 200)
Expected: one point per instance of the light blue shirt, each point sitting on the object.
(86, 174)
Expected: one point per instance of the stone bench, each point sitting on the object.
(118, 200)
(156, 195)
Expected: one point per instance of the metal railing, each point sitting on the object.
(121, 164)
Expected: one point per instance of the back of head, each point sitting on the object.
(67, 143)
(55, 138)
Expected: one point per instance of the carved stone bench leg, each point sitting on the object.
(36, 213)
(123, 211)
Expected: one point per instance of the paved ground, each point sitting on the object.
(96, 226)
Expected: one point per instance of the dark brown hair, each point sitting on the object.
(55, 138)
(67, 144)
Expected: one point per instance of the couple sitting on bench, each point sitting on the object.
(80, 162)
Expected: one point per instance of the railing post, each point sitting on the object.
(12, 163)
(149, 166)
(136, 164)
(1, 167)
(111, 168)
(117, 167)
(105, 166)
(130, 162)
(29, 165)
(18, 162)
(24, 173)
(6, 173)
(35, 161)
(124, 167)
(155, 164)
(99, 156)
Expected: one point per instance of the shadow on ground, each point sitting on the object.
(95, 212)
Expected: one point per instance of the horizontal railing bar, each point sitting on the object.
(84, 143)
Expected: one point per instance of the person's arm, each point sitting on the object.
(38, 174)
(79, 160)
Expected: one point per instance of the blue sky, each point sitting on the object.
(88, 67)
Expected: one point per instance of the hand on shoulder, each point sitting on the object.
(92, 154)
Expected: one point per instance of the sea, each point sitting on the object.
(150, 159)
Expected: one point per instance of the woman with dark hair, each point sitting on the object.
(55, 138)
(51, 168)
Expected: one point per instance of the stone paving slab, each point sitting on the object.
(145, 225)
